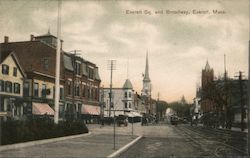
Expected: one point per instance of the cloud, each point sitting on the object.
(178, 46)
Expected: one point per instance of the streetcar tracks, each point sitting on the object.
(221, 145)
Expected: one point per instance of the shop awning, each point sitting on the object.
(136, 114)
(91, 109)
(133, 114)
(41, 109)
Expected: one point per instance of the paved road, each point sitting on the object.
(180, 141)
(159, 141)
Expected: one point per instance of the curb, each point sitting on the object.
(40, 142)
(124, 148)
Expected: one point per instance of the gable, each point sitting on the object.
(12, 62)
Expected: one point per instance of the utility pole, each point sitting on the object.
(111, 67)
(248, 111)
(241, 101)
(158, 109)
(226, 114)
(102, 105)
(58, 56)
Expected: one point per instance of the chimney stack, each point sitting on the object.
(6, 39)
(31, 37)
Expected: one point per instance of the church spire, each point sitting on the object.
(207, 67)
(146, 75)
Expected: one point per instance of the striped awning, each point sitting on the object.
(41, 109)
(91, 109)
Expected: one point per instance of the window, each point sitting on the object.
(125, 95)
(14, 71)
(8, 87)
(96, 94)
(5, 69)
(36, 89)
(88, 92)
(17, 88)
(91, 73)
(44, 90)
(77, 90)
(126, 105)
(45, 64)
(1, 86)
(26, 89)
(129, 94)
(129, 105)
(83, 90)
(61, 93)
(69, 87)
(77, 68)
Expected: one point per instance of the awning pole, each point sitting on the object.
(58, 52)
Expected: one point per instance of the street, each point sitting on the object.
(159, 140)
(184, 140)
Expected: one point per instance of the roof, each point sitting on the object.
(97, 76)
(4, 55)
(127, 84)
(31, 55)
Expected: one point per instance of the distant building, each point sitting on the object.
(146, 90)
(122, 100)
(139, 104)
(206, 79)
(11, 86)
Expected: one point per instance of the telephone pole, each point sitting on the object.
(111, 67)
(241, 100)
(58, 54)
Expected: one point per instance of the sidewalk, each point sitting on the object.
(97, 144)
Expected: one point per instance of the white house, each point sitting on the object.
(11, 86)
(122, 100)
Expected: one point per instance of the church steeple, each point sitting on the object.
(146, 90)
(146, 75)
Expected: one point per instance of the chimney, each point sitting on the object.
(31, 37)
(6, 39)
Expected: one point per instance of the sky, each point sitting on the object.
(178, 44)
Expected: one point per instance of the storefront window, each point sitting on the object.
(36, 89)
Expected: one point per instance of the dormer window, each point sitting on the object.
(5, 69)
(90, 73)
(77, 68)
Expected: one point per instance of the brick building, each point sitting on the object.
(79, 79)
